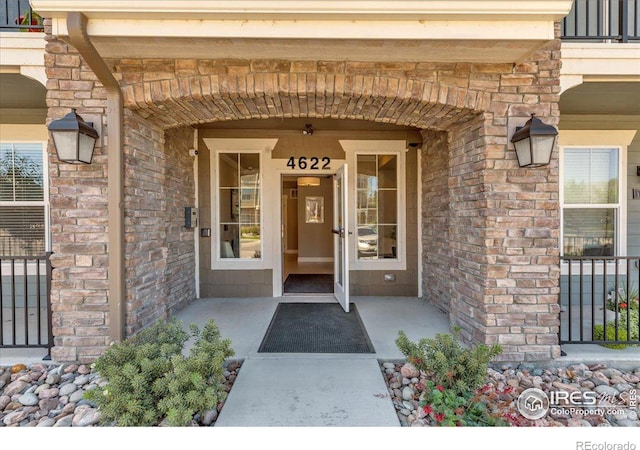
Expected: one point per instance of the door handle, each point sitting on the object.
(339, 232)
(336, 232)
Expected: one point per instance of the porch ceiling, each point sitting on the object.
(22, 100)
(595, 98)
(353, 30)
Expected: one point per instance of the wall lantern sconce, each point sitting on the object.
(308, 181)
(534, 143)
(73, 138)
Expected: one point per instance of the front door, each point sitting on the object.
(341, 239)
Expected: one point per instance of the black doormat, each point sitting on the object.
(316, 328)
(305, 283)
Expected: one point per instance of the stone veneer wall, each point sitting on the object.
(78, 197)
(435, 219)
(493, 224)
(159, 251)
(501, 224)
(160, 255)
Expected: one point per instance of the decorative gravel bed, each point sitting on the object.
(44, 395)
(614, 388)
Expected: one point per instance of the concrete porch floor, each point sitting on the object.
(245, 321)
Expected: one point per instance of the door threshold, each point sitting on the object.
(307, 294)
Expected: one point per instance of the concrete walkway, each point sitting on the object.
(313, 390)
(308, 391)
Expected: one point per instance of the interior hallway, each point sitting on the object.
(291, 265)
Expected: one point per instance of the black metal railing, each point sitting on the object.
(17, 15)
(602, 21)
(599, 300)
(25, 302)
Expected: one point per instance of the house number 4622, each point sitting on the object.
(313, 163)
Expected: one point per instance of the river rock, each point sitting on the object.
(15, 417)
(49, 393)
(53, 378)
(76, 396)
(41, 388)
(64, 421)
(15, 387)
(599, 378)
(409, 371)
(48, 404)
(5, 377)
(623, 387)
(86, 416)
(565, 386)
(28, 399)
(69, 368)
(81, 380)
(4, 401)
(17, 368)
(626, 423)
(68, 389)
(607, 391)
(588, 384)
(407, 393)
(209, 416)
(46, 422)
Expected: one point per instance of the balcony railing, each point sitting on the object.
(17, 15)
(602, 21)
(25, 302)
(599, 300)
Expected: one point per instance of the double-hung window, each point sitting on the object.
(592, 204)
(23, 199)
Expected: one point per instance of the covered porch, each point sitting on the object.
(245, 321)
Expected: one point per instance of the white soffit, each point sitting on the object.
(505, 30)
(303, 9)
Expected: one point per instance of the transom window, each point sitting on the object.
(23, 200)
(591, 201)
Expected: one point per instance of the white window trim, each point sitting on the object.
(263, 147)
(377, 147)
(620, 207)
(45, 180)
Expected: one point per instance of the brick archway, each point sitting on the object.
(397, 94)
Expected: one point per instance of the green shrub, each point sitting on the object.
(626, 297)
(462, 370)
(633, 315)
(149, 378)
(611, 335)
(446, 408)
